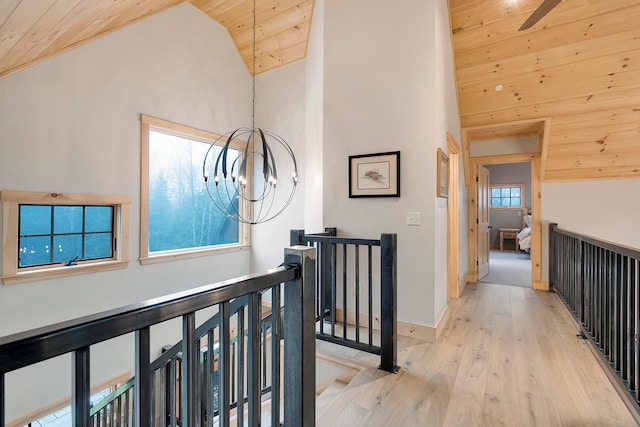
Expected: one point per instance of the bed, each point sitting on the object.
(524, 236)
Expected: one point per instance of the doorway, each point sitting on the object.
(509, 224)
(538, 131)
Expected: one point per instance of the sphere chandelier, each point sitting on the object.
(247, 155)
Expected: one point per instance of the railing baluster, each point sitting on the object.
(344, 291)
(209, 378)
(275, 357)
(253, 359)
(357, 285)
(370, 292)
(224, 350)
(81, 389)
(173, 387)
(333, 285)
(241, 361)
(189, 371)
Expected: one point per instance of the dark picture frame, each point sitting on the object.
(374, 175)
(442, 189)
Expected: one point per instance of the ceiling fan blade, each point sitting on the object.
(539, 13)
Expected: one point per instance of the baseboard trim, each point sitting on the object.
(404, 328)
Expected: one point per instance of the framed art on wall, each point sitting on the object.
(374, 175)
(443, 174)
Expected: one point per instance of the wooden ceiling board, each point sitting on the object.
(579, 66)
(35, 30)
(572, 33)
(18, 21)
(559, 110)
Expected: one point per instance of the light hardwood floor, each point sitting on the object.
(509, 356)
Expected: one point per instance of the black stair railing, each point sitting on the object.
(196, 370)
(356, 292)
(116, 408)
(600, 284)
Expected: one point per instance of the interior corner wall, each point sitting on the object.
(280, 108)
(607, 210)
(314, 119)
(71, 125)
(383, 78)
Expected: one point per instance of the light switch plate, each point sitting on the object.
(414, 218)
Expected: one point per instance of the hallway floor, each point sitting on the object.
(508, 356)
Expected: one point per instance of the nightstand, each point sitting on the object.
(509, 233)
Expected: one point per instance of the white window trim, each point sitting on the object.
(11, 201)
(523, 194)
(148, 123)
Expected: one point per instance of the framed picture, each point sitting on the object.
(443, 174)
(375, 175)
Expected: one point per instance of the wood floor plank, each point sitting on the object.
(508, 356)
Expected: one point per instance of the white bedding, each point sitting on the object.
(524, 237)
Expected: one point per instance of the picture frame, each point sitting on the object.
(442, 189)
(374, 175)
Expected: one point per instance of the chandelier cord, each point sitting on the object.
(253, 70)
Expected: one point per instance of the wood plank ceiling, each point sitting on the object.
(34, 30)
(579, 66)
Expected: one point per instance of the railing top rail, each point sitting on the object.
(341, 240)
(620, 249)
(29, 347)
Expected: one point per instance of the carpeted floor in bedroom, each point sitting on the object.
(509, 268)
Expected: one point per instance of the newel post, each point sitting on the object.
(300, 339)
(389, 304)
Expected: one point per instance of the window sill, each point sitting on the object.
(167, 256)
(50, 273)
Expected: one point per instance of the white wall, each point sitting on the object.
(280, 108)
(389, 86)
(607, 210)
(71, 124)
(314, 134)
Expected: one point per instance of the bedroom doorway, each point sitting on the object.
(509, 142)
(525, 266)
(509, 224)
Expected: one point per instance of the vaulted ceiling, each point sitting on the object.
(579, 66)
(34, 30)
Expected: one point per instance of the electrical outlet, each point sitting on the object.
(414, 218)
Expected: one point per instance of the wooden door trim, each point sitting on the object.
(453, 219)
(536, 226)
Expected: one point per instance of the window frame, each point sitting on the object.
(507, 208)
(11, 201)
(147, 124)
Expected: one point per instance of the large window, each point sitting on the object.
(52, 234)
(507, 196)
(179, 218)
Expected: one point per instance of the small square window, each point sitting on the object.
(507, 196)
